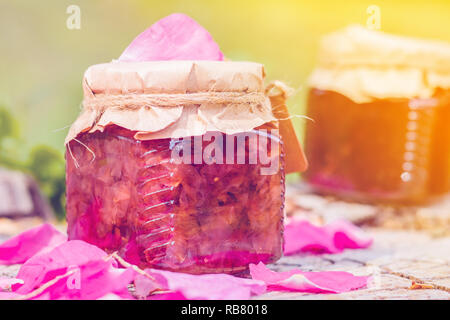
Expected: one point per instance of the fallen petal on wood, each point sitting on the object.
(46, 266)
(94, 280)
(55, 268)
(302, 236)
(8, 295)
(420, 286)
(6, 283)
(73, 270)
(167, 296)
(209, 286)
(32, 242)
(311, 282)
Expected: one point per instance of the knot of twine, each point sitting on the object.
(136, 101)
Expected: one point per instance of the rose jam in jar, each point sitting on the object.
(381, 111)
(197, 188)
(191, 217)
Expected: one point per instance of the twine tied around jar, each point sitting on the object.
(133, 101)
(99, 103)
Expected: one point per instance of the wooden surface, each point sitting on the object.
(396, 259)
(433, 219)
(410, 245)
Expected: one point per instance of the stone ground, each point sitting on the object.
(410, 246)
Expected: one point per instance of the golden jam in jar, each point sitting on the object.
(381, 119)
(384, 150)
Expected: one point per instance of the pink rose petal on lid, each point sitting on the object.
(29, 243)
(302, 236)
(311, 282)
(210, 286)
(175, 37)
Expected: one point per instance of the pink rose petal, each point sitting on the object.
(145, 286)
(110, 296)
(93, 280)
(210, 286)
(311, 282)
(168, 296)
(6, 283)
(348, 236)
(302, 236)
(175, 37)
(46, 266)
(29, 243)
(73, 270)
(8, 295)
(335, 281)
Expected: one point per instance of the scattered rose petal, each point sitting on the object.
(6, 283)
(91, 281)
(311, 282)
(167, 296)
(334, 281)
(210, 286)
(8, 295)
(110, 296)
(144, 286)
(175, 37)
(302, 236)
(46, 266)
(55, 268)
(29, 243)
(348, 236)
(73, 270)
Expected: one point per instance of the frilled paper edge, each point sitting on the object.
(365, 84)
(175, 122)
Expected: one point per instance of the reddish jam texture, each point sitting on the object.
(196, 218)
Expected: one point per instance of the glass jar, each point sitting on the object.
(381, 120)
(199, 202)
(135, 198)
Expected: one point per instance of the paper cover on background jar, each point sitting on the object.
(365, 65)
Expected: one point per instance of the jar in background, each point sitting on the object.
(381, 110)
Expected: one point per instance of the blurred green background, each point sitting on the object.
(42, 61)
